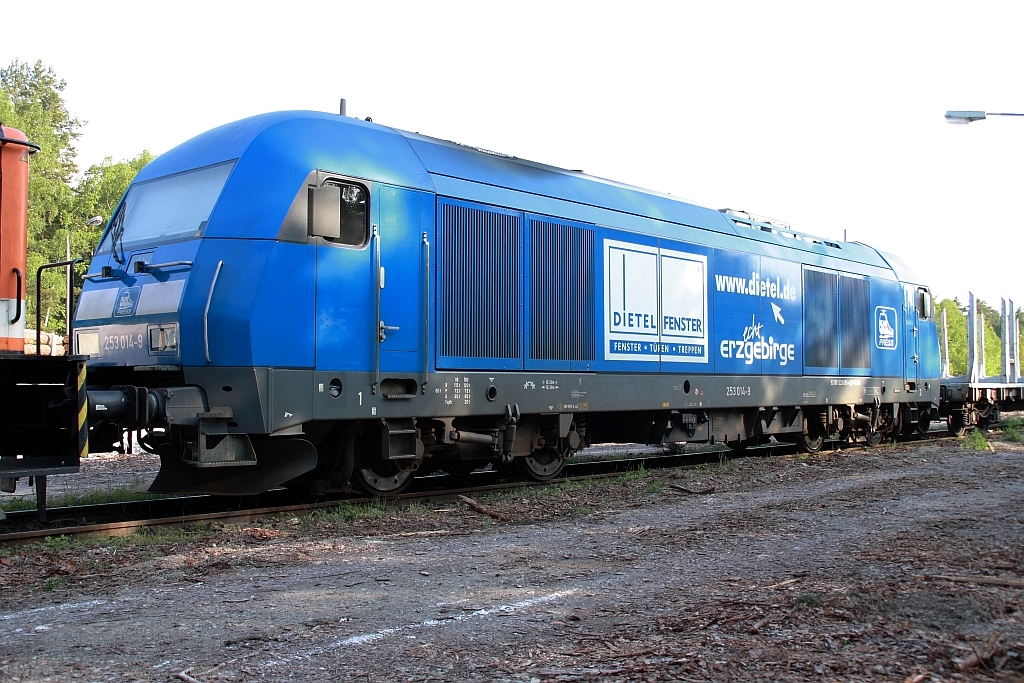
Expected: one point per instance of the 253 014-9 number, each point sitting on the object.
(737, 391)
(116, 342)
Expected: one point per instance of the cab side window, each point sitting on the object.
(924, 304)
(339, 212)
(354, 214)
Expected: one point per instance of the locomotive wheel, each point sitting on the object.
(543, 465)
(924, 424)
(381, 478)
(872, 439)
(810, 443)
(955, 424)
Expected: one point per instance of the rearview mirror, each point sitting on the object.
(325, 211)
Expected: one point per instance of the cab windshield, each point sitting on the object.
(168, 208)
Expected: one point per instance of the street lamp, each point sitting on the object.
(965, 117)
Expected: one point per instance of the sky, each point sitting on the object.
(825, 116)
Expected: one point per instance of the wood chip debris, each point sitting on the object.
(484, 509)
(987, 580)
(183, 675)
(696, 492)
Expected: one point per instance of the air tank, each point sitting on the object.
(15, 150)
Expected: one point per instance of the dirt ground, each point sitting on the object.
(822, 568)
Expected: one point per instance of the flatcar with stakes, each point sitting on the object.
(316, 301)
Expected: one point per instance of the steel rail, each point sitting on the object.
(615, 467)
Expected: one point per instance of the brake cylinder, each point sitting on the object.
(15, 150)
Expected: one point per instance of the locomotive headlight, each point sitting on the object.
(88, 343)
(163, 340)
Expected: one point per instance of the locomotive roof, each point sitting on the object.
(290, 144)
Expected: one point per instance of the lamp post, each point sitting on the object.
(965, 117)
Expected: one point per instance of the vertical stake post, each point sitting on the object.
(40, 481)
(945, 345)
(972, 339)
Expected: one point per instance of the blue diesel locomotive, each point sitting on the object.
(308, 299)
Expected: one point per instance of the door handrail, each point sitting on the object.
(206, 311)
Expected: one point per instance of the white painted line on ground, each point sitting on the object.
(431, 623)
(364, 638)
(38, 610)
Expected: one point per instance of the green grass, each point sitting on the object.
(161, 536)
(117, 494)
(1013, 430)
(143, 538)
(974, 440)
(347, 512)
(59, 544)
(655, 486)
(54, 582)
(632, 475)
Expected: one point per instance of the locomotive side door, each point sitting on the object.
(912, 352)
(402, 244)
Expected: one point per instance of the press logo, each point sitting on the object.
(127, 300)
(886, 323)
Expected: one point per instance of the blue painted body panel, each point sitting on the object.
(231, 307)
(729, 297)
(344, 308)
(887, 334)
(282, 324)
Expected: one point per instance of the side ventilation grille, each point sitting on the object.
(478, 286)
(561, 292)
(854, 323)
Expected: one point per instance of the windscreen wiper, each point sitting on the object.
(116, 233)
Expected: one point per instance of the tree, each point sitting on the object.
(991, 315)
(60, 201)
(956, 325)
(99, 192)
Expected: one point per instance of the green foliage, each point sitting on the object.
(1013, 430)
(54, 582)
(60, 200)
(347, 512)
(99, 191)
(956, 325)
(162, 537)
(632, 475)
(974, 440)
(110, 494)
(59, 544)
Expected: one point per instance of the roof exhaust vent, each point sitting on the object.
(341, 109)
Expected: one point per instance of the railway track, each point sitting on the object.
(125, 518)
